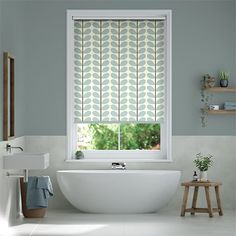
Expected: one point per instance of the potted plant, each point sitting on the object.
(203, 162)
(209, 81)
(224, 79)
(79, 155)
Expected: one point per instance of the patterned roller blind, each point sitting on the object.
(119, 71)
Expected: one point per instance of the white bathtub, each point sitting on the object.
(118, 191)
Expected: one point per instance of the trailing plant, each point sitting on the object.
(223, 75)
(205, 99)
(203, 162)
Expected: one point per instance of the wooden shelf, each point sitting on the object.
(221, 89)
(222, 112)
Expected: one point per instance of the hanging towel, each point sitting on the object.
(39, 189)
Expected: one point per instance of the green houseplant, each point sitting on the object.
(79, 154)
(224, 78)
(203, 163)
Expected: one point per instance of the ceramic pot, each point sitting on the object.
(203, 175)
(224, 83)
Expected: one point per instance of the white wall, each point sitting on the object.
(184, 150)
(9, 191)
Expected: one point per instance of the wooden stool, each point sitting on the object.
(206, 185)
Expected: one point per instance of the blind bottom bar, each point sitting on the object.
(120, 122)
(75, 18)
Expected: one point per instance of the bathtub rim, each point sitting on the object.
(118, 160)
(95, 171)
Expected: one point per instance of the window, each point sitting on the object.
(129, 136)
(119, 83)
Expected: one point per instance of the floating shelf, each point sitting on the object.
(221, 89)
(221, 112)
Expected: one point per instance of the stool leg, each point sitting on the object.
(185, 199)
(218, 200)
(208, 202)
(194, 203)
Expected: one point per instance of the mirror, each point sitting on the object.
(8, 96)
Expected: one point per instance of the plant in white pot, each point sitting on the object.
(203, 162)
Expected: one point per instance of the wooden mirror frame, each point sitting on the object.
(8, 106)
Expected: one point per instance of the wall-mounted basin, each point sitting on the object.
(23, 160)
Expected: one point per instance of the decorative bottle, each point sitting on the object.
(195, 176)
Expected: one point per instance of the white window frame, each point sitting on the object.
(164, 155)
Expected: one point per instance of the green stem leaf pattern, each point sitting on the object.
(119, 71)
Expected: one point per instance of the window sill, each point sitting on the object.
(117, 160)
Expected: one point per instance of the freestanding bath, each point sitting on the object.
(118, 191)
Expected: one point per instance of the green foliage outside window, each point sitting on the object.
(105, 137)
(139, 136)
(132, 136)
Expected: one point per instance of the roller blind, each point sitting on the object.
(119, 71)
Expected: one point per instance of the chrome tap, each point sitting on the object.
(118, 166)
(9, 147)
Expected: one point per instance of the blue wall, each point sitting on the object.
(204, 41)
(12, 38)
(1, 84)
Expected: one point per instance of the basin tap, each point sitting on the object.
(9, 147)
(118, 165)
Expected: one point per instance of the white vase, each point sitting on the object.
(203, 175)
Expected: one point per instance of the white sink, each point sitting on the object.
(28, 161)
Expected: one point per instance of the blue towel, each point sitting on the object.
(39, 189)
(231, 104)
